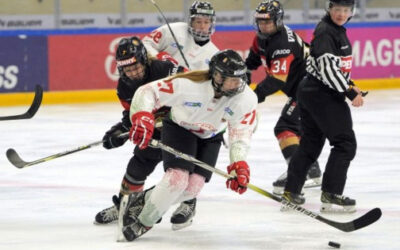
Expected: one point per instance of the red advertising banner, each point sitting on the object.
(78, 62)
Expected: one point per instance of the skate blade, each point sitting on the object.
(180, 226)
(122, 207)
(105, 224)
(310, 183)
(337, 209)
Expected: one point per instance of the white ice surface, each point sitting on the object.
(52, 205)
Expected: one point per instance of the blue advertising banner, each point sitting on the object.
(23, 63)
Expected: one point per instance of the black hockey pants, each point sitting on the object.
(324, 114)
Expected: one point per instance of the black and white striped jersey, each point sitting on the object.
(330, 59)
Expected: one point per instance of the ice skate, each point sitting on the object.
(279, 184)
(131, 226)
(183, 215)
(134, 207)
(296, 199)
(134, 230)
(314, 179)
(335, 203)
(108, 215)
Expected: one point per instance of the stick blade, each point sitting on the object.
(36, 102)
(369, 218)
(14, 158)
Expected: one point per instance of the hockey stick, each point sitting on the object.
(16, 160)
(363, 221)
(37, 100)
(172, 33)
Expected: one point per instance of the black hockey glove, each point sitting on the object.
(267, 87)
(111, 140)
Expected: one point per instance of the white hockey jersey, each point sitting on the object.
(161, 39)
(194, 108)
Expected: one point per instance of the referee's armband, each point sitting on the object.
(351, 93)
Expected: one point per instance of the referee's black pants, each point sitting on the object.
(324, 115)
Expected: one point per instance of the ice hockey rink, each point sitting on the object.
(52, 205)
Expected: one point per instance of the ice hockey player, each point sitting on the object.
(284, 54)
(194, 38)
(136, 68)
(200, 102)
(324, 111)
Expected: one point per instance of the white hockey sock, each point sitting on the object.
(171, 186)
(196, 184)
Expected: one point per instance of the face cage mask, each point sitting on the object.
(199, 36)
(232, 92)
(134, 81)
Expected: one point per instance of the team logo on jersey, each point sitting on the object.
(346, 63)
(229, 111)
(193, 104)
(280, 52)
(290, 34)
(175, 45)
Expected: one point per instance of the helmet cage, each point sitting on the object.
(201, 9)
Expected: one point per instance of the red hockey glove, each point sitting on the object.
(164, 56)
(239, 183)
(142, 129)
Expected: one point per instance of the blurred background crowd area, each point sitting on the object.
(139, 13)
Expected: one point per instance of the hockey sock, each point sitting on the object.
(130, 185)
(171, 186)
(196, 184)
(288, 142)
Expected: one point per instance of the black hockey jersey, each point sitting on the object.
(126, 87)
(330, 59)
(283, 57)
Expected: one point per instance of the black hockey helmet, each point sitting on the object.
(349, 3)
(343, 2)
(269, 10)
(228, 63)
(201, 8)
(130, 51)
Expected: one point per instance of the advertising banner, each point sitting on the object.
(23, 63)
(376, 52)
(79, 62)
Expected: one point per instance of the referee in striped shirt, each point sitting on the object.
(324, 111)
